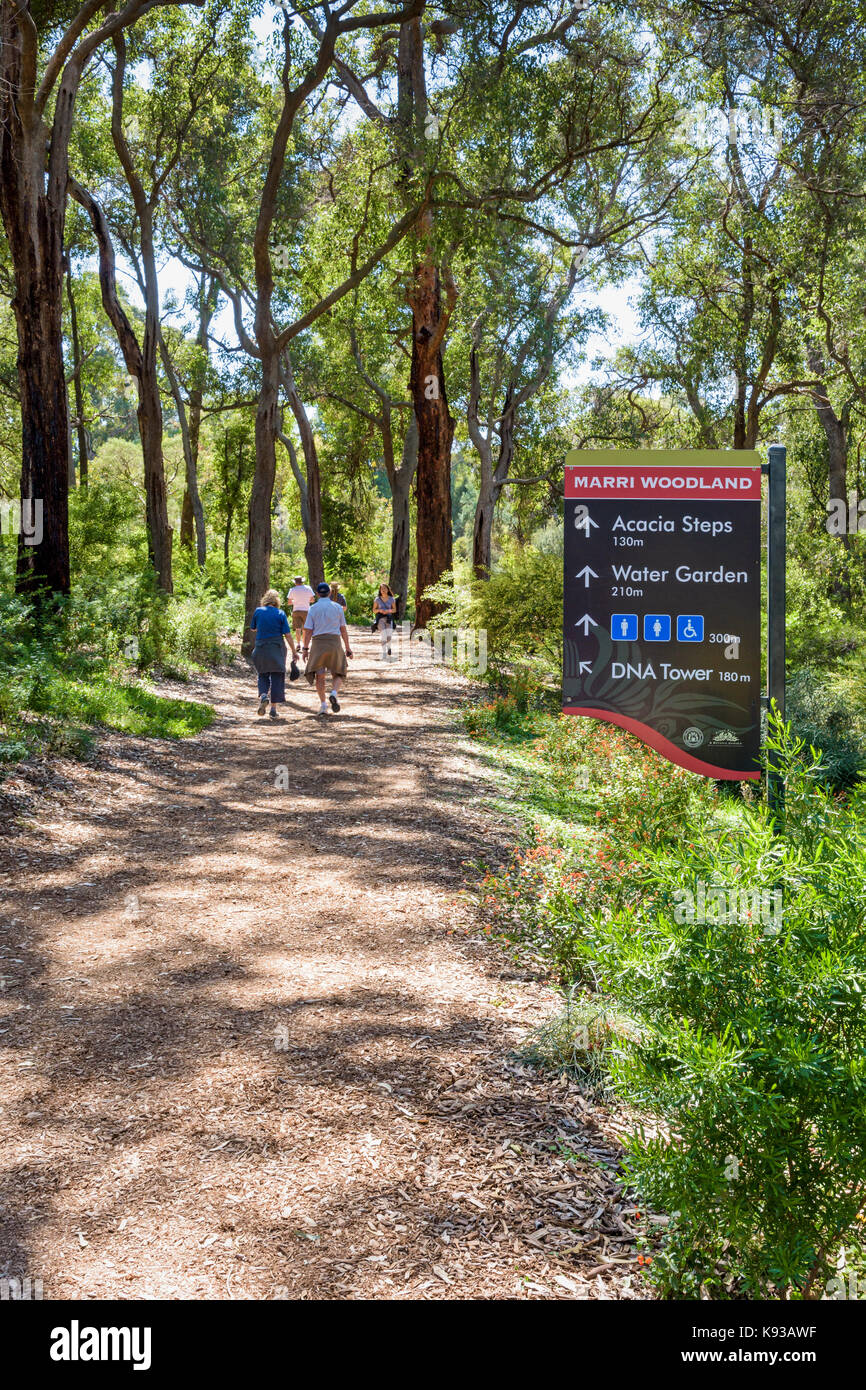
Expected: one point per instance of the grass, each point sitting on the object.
(58, 711)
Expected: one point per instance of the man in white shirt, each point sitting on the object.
(299, 597)
(325, 635)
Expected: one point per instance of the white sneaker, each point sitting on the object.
(323, 707)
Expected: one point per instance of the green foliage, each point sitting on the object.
(59, 680)
(578, 1041)
(520, 609)
(752, 1043)
(733, 960)
(827, 714)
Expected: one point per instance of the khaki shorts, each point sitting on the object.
(326, 654)
(299, 617)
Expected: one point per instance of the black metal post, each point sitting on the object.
(776, 547)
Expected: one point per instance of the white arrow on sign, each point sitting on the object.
(586, 574)
(583, 524)
(584, 622)
(585, 667)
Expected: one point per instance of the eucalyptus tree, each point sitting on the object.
(267, 322)
(784, 222)
(514, 341)
(722, 331)
(364, 364)
(495, 110)
(190, 363)
(45, 49)
(149, 124)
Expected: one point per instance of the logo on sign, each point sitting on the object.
(692, 737)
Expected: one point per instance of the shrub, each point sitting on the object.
(520, 609)
(738, 1034)
(825, 715)
(752, 1047)
(577, 1041)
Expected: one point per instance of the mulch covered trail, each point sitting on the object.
(253, 1045)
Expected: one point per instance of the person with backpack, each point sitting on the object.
(325, 637)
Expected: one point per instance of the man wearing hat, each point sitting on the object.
(325, 624)
(299, 597)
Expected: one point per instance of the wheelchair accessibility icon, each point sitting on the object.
(690, 627)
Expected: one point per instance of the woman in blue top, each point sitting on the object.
(271, 627)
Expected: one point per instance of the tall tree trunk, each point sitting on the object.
(207, 302)
(433, 533)
(77, 367)
(140, 362)
(482, 529)
(311, 500)
(150, 424)
(298, 474)
(835, 432)
(192, 513)
(493, 480)
(159, 532)
(187, 522)
(33, 211)
(44, 418)
(401, 486)
(261, 493)
(434, 544)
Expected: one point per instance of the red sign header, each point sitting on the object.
(662, 483)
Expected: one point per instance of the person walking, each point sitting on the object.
(337, 597)
(271, 627)
(384, 613)
(326, 633)
(299, 597)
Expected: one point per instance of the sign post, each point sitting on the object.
(663, 601)
(776, 546)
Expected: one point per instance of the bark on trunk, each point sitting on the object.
(207, 308)
(311, 501)
(33, 210)
(434, 546)
(43, 567)
(187, 523)
(401, 486)
(261, 493)
(156, 501)
(493, 480)
(192, 513)
(298, 474)
(140, 362)
(77, 366)
(835, 433)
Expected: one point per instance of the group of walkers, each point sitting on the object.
(319, 626)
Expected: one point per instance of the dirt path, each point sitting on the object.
(250, 1049)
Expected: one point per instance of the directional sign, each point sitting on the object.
(662, 601)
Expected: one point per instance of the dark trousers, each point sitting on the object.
(273, 683)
